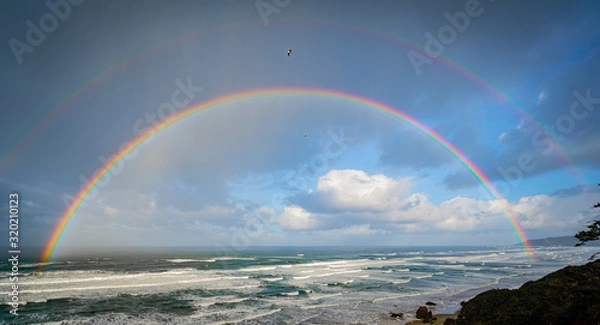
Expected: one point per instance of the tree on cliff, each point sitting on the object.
(592, 234)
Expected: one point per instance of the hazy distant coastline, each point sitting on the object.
(564, 241)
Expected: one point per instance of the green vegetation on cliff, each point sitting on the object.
(593, 232)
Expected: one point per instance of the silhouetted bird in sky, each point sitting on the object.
(289, 52)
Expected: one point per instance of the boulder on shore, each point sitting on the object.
(397, 315)
(421, 312)
(428, 318)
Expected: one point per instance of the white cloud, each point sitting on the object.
(416, 208)
(465, 214)
(296, 218)
(111, 212)
(354, 189)
(502, 136)
(384, 203)
(541, 97)
(374, 207)
(547, 212)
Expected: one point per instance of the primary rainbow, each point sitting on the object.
(69, 214)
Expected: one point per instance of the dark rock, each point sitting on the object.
(450, 321)
(396, 315)
(428, 317)
(567, 296)
(421, 312)
(429, 303)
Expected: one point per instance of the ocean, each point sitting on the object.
(274, 285)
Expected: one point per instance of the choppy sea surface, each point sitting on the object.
(299, 285)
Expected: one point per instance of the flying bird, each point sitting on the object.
(289, 52)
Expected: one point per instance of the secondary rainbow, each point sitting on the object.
(71, 211)
(27, 139)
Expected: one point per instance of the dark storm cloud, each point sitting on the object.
(576, 190)
(414, 150)
(545, 47)
(569, 132)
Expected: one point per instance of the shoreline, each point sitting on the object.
(410, 319)
(386, 320)
(440, 319)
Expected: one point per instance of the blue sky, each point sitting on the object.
(244, 173)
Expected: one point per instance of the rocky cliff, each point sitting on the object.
(568, 296)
